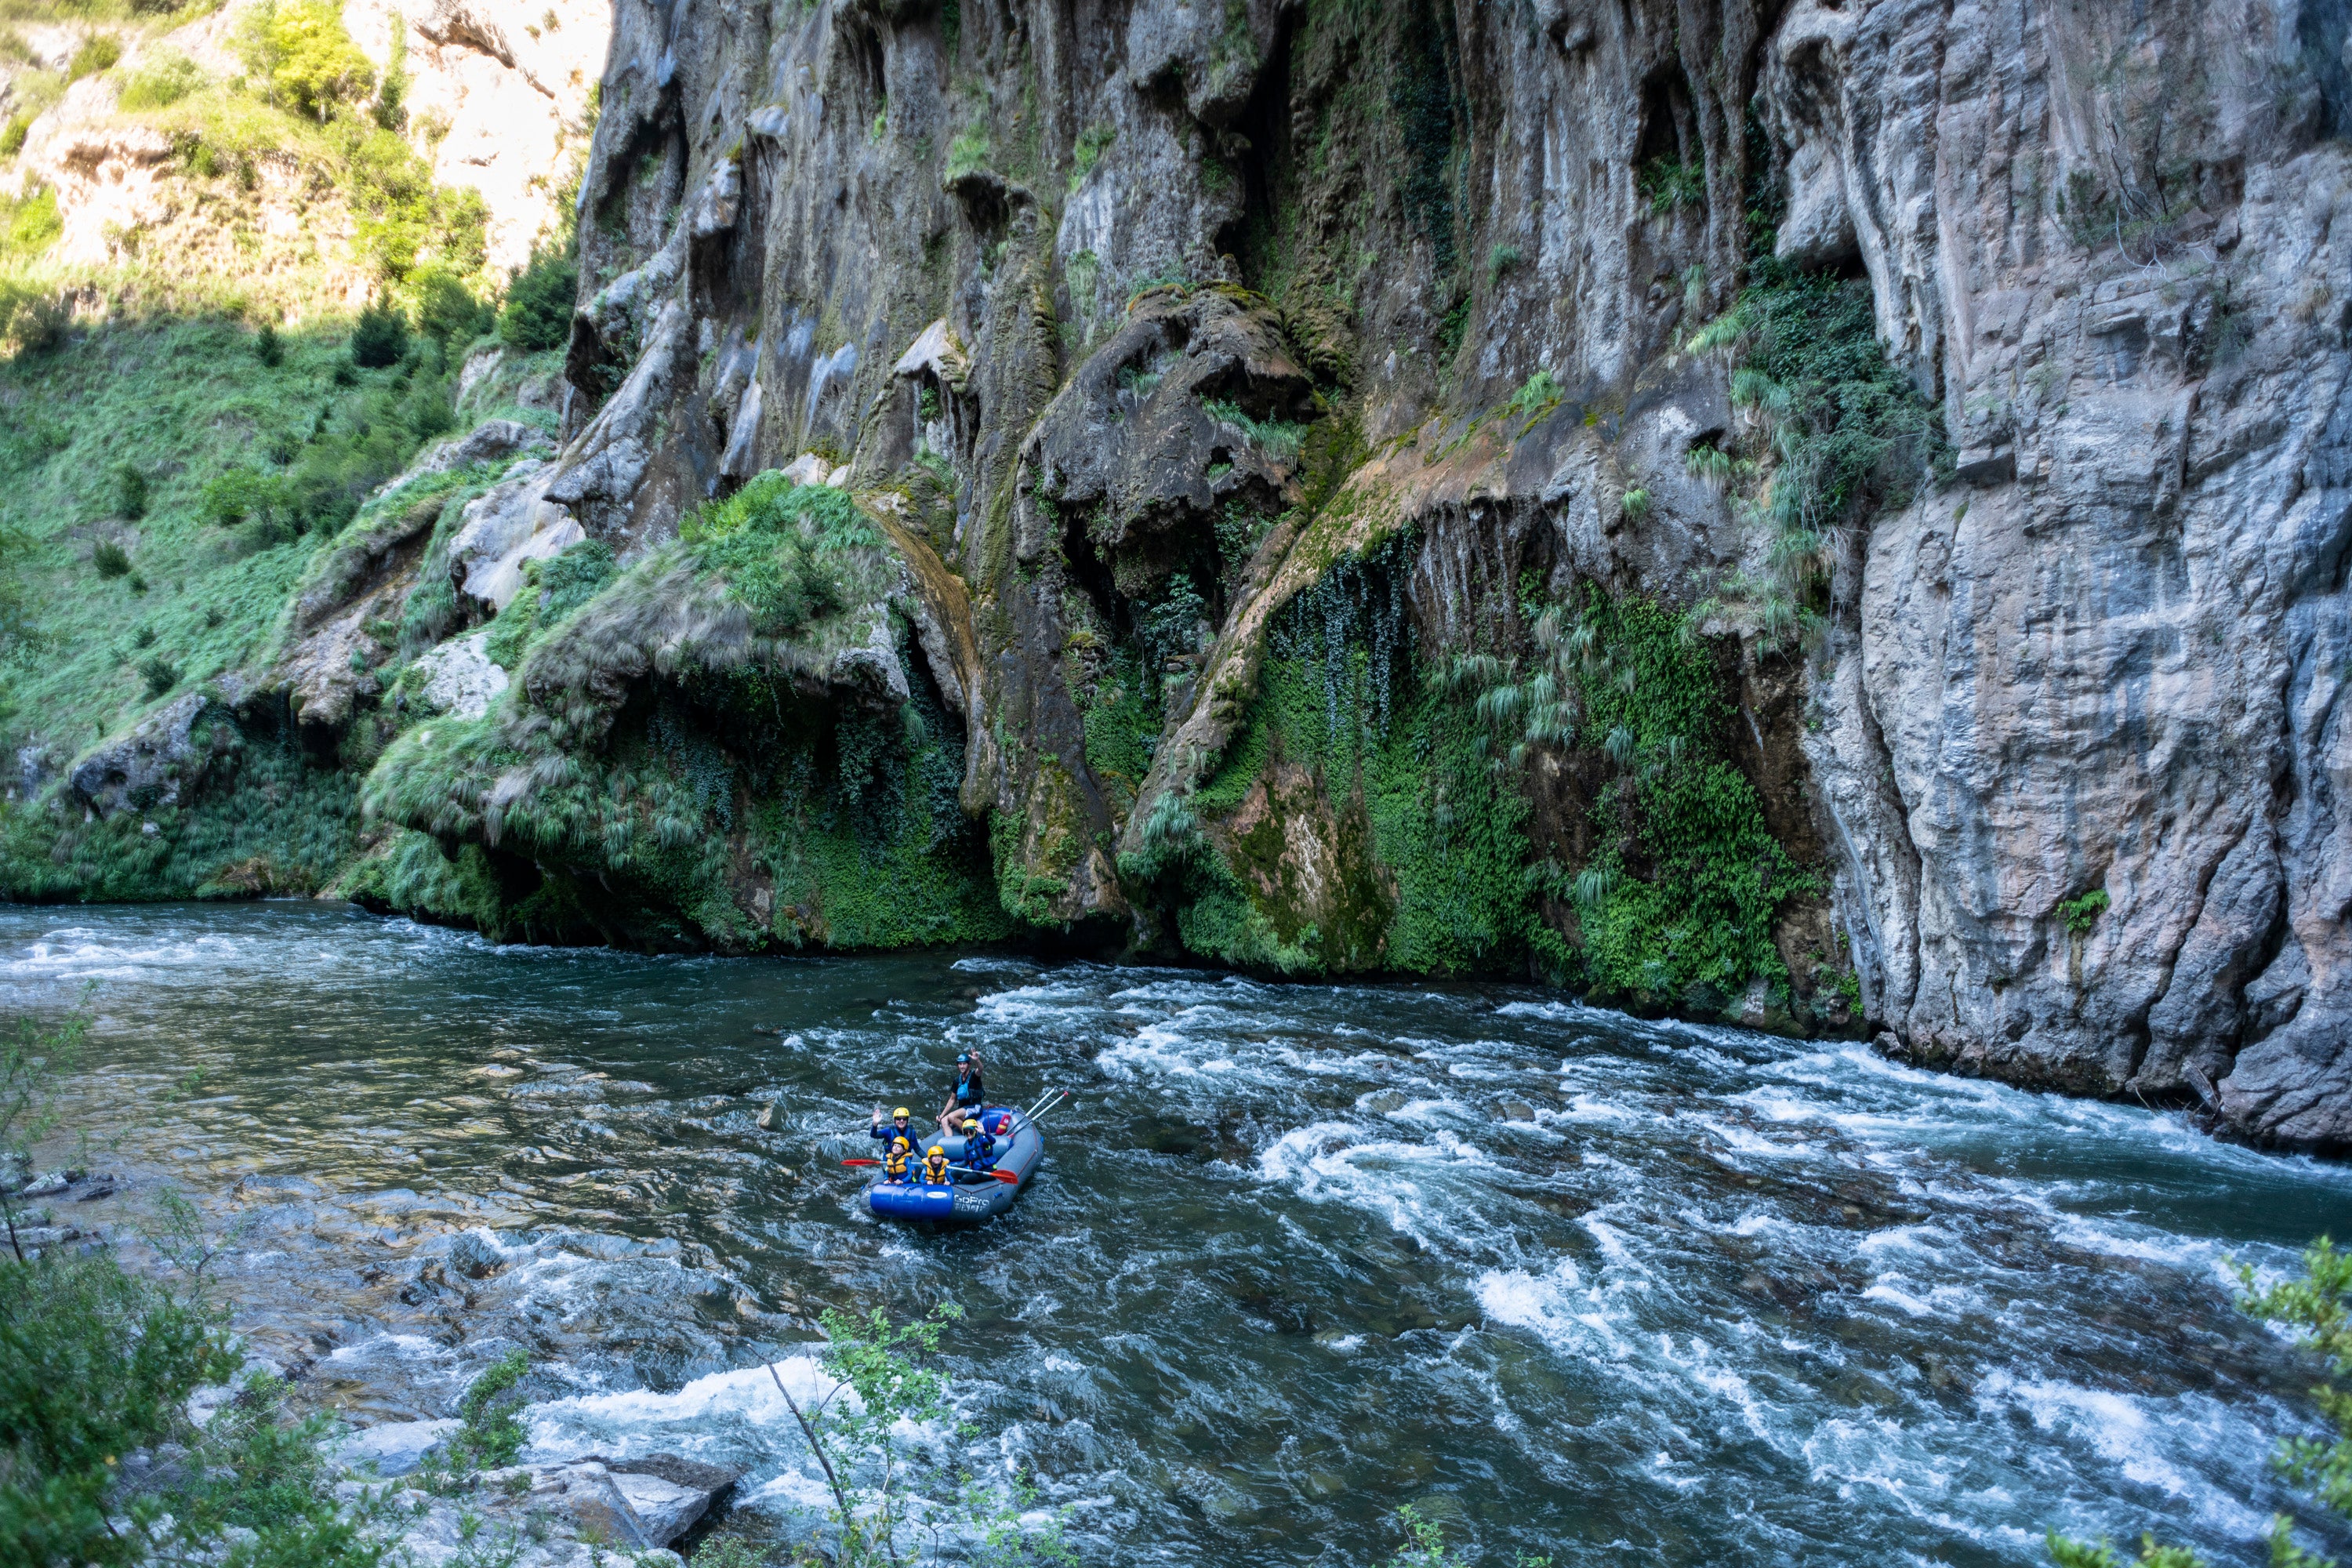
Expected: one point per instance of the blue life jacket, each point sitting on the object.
(978, 1150)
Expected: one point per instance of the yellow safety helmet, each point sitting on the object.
(901, 1115)
(972, 1122)
(939, 1152)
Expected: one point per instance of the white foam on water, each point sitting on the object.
(1339, 1161)
(742, 1400)
(1739, 1140)
(1911, 1304)
(1927, 1240)
(1613, 1243)
(2150, 1441)
(1585, 1109)
(378, 1347)
(80, 953)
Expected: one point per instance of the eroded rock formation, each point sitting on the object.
(1286, 433)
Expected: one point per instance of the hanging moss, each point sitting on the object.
(1121, 712)
(1419, 856)
(1678, 904)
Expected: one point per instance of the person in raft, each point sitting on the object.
(935, 1167)
(978, 1148)
(897, 1141)
(968, 1095)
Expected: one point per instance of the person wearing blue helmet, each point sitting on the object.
(968, 1095)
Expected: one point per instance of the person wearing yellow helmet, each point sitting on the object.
(978, 1148)
(899, 1127)
(935, 1167)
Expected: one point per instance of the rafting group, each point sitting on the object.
(973, 1167)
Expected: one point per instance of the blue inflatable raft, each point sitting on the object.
(969, 1195)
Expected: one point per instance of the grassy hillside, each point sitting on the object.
(188, 422)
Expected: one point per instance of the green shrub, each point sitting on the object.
(1279, 438)
(302, 57)
(1539, 392)
(2082, 913)
(380, 337)
(12, 134)
(160, 674)
(1088, 151)
(404, 221)
(166, 77)
(537, 312)
(98, 53)
(93, 1364)
(1843, 433)
(33, 318)
(490, 1431)
(110, 559)
(267, 347)
(239, 494)
(390, 111)
(772, 541)
(129, 491)
(446, 311)
(29, 224)
(1668, 183)
(968, 154)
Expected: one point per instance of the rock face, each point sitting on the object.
(1326, 498)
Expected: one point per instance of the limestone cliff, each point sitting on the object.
(1832, 517)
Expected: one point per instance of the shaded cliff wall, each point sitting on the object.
(1832, 517)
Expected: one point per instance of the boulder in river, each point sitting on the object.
(396, 1448)
(642, 1502)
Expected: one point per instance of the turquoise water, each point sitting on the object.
(1576, 1284)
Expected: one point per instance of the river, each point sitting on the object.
(1573, 1283)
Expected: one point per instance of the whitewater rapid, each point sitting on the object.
(1571, 1282)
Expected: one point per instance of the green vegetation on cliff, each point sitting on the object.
(660, 772)
(1677, 904)
(1840, 433)
(1353, 823)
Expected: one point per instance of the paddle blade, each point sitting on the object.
(1004, 1176)
(861, 1162)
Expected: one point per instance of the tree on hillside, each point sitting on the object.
(538, 313)
(302, 58)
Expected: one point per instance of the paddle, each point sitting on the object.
(999, 1175)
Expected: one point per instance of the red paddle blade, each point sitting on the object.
(861, 1162)
(1005, 1175)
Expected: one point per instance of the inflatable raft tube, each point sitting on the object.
(969, 1196)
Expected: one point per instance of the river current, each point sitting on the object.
(1571, 1282)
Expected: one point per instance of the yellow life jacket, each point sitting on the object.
(935, 1169)
(894, 1159)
